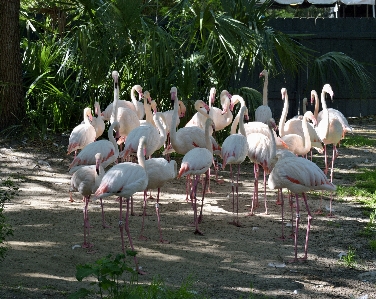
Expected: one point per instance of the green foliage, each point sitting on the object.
(349, 259)
(8, 190)
(372, 244)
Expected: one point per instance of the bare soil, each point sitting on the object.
(227, 262)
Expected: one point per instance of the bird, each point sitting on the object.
(109, 151)
(150, 107)
(124, 180)
(299, 175)
(234, 151)
(197, 161)
(108, 148)
(159, 172)
(261, 151)
(187, 138)
(108, 113)
(140, 110)
(304, 105)
(83, 134)
(86, 181)
(263, 113)
(221, 117)
(98, 122)
(202, 109)
(155, 138)
(298, 144)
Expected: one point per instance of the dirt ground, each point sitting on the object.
(227, 262)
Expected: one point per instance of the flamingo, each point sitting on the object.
(330, 130)
(290, 130)
(98, 122)
(155, 137)
(86, 180)
(108, 113)
(261, 151)
(150, 109)
(263, 113)
(221, 117)
(140, 110)
(234, 151)
(299, 145)
(159, 172)
(124, 180)
(299, 175)
(82, 135)
(300, 116)
(197, 161)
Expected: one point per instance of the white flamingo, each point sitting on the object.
(86, 181)
(197, 161)
(155, 138)
(98, 122)
(159, 172)
(234, 151)
(83, 134)
(150, 107)
(124, 180)
(299, 145)
(261, 151)
(263, 113)
(140, 110)
(299, 175)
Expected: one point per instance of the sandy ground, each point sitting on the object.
(227, 262)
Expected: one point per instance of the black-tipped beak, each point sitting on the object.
(97, 170)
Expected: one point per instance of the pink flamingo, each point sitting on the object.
(124, 180)
(299, 175)
(261, 151)
(197, 161)
(263, 113)
(83, 134)
(330, 131)
(140, 110)
(86, 181)
(291, 130)
(234, 151)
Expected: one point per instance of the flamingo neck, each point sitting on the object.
(307, 138)
(112, 138)
(162, 132)
(283, 116)
(265, 91)
(208, 142)
(241, 123)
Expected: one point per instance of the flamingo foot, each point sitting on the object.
(301, 260)
(151, 197)
(319, 212)
(218, 181)
(143, 238)
(199, 219)
(163, 241)
(331, 215)
(278, 202)
(105, 225)
(282, 238)
(87, 245)
(139, 271)
(198, 232)
(236, 223)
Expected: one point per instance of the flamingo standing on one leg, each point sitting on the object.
(234, 151)
(86, 181)
(299, 175)
(124, 180)
(197, 161)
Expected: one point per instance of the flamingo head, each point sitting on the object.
(174, 94)
(153, 105)
(182, 109)
(115, 76)
(98, 159)
(212, 95)
(283, 92)
(328, 89)
(264, 73)
(272, 124)
(309, 115)
(146, 95)
(313, 96)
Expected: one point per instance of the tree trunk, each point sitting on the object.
(11, 94)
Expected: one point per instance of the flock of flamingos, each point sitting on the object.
(127, 153)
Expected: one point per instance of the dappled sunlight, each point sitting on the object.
(48, 276)
(19, 245)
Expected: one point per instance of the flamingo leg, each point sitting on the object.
(297, 220)
(159, 220)
(104, 224)
(203, 195)
(255, 190)
(142, 237)
(194, 203)
(282, 204)
(265, 198)
(308, 227)
(86, 243)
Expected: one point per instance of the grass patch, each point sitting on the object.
(349, 259)
(357, 141)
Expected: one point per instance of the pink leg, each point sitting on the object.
(159, 220)
(297, 220)
(194, 204)
(129, 237)
(308, 227)
(203, 195)
(255, 190)
(265, 198)
(283, 224)
(142, 237)
(86, 244)
(104, 224)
